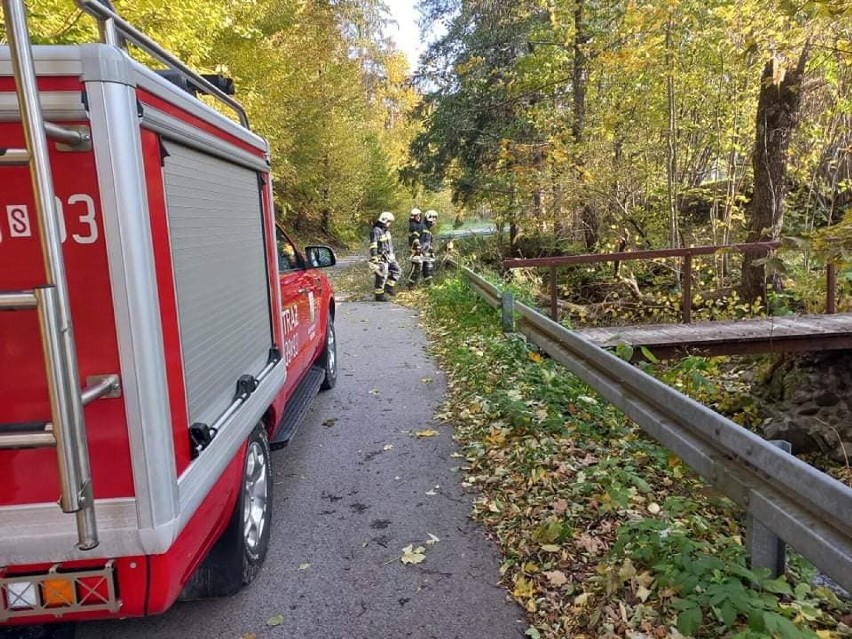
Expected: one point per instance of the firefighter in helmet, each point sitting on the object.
(415, 228)
(427, 246)
(382, 260)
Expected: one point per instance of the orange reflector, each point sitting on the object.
(57, 592)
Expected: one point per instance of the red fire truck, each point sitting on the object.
(157, 331)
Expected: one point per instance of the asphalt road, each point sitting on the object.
(353, 489)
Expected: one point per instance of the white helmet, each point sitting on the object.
(431, 215)
(415, 212)
(386, 217)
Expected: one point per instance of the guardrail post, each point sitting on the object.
(765, 549)
(686, 300)
(554, 306)
(507, 309)
(830, 289)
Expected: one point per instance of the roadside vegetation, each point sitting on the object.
(603, 533)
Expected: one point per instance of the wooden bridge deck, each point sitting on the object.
(739, 337)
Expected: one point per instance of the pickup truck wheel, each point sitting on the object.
(235, 559)
(328, 359)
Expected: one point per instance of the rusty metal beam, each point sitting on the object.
(592, 258)
(803, 344)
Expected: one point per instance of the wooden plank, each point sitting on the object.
(771, 334)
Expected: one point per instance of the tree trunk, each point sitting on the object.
(588, 216)
(777, 116)
(671, 163)
(513, 240)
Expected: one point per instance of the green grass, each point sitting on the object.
(603, 532)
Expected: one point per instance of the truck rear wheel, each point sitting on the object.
(235, 559)
(328, 359)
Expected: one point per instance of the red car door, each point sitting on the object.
(296, 314)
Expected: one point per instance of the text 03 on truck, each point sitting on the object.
(157, 331)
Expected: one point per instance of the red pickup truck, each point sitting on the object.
(158, 332)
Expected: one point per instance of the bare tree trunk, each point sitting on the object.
(777, 116)
(671, 164)
(588, 216)
(513, 240)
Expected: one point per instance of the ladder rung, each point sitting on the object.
(71, 137)
(27, 437)
(18, 301)
(14, 157)
(101, 386)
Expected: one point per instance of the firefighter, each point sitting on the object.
(415, 228)
(382, 260)
(427, 246)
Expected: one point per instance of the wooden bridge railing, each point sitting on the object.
(686, 253)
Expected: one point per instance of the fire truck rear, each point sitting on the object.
(141, 367)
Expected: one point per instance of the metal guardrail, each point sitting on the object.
(807, 509)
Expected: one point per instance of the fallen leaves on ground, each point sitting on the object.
(304, 566)
(426, 432)
(587, 511)
(412, 555)
(277, 620)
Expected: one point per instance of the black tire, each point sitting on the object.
(328, 357)
(47, 631)
(236, 558)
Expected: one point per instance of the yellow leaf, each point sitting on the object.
(627, 570)
(642, 593)
(412, 555)
(304, 566)
(556, 577)
(277, 620)
(530, 566)
(582, 599)
(426, 432)
(654, 508)
(550, 548)
(535, 357)
(524, 588)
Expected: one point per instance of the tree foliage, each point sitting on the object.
(633, 120)
(317, 78)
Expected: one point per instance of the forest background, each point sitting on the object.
(319, 80)
(582, 125)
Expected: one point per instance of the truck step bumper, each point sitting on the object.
(298, 406)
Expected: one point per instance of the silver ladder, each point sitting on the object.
(66, 430)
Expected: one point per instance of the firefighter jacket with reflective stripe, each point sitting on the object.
(426, 238)
(415, 229)
(381, 244)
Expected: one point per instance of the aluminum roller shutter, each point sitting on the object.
(215, 224)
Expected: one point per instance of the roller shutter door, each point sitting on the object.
(216, 232)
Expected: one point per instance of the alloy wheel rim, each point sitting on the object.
(332, 351)
(255, 496)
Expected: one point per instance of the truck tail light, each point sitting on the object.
(57, 592)
(21, 595)
(93, 590)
